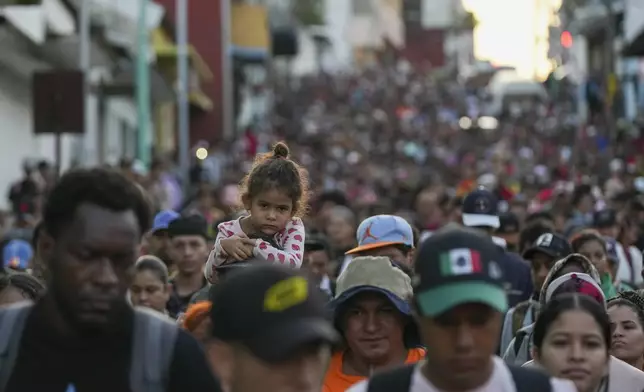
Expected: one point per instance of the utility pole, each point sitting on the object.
(609, 69)
(143, 87)
(182, 97)
(227, 80)
(84, 22)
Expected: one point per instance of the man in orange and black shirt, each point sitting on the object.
(373, 315)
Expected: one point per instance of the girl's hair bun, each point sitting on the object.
(280, 150)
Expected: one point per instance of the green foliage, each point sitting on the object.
(309, 12)
(469, 21)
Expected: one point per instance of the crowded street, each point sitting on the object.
(322, 196)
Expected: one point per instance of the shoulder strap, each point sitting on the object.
(12, 321)
(518, 316)
(398, 380)
(530, 380)
(518, 341)
(152, 351)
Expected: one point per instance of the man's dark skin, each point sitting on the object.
(80, 333)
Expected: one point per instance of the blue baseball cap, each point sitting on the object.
(481, 209)
(163, 219)
(383, 230)
(17, 254)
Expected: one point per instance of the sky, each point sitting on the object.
(508, 31)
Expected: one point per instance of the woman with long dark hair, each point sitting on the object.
(572, 339)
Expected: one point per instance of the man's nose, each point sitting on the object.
(464, 338)
(105, 274)
(371, 323)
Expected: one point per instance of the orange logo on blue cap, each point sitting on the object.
(14, 262)
(367, 234)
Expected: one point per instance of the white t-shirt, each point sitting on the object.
(501, 381)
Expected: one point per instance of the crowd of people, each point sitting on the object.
(397, 247)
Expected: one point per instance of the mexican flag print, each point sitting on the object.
(460, 262)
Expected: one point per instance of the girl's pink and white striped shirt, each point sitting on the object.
(291, 239)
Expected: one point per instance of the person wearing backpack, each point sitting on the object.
(519, 350)
(481, 213)
(541, 256)
(459, 300)
(82, 335)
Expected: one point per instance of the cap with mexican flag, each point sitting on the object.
(458, 266)
(460, 261)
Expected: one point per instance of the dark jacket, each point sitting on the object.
(518, 277)
(201, 295)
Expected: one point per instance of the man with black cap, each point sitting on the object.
(271, 331)
(315, 264)
(189, 250)
(605, 221)
(509, 230)
(542, 255)
(480, 212)
(459, 302)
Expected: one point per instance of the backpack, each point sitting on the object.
(152, 347)
(518, 316)
(399, 380)
(518, 342)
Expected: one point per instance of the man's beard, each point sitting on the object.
(68, 312)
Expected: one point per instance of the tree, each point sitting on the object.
(309, 12)
(468, 21)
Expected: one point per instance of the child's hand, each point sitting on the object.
(237, 248)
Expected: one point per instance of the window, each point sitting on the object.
(362, 7)
(412, 11)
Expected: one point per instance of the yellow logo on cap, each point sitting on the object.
(285, 294)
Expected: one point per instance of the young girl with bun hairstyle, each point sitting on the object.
(274, 193)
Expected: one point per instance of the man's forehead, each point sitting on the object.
(367, 299)
(317, 252)
(383, 251)
(186, 239)
(94, 218)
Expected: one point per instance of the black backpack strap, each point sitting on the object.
(397, 380)
(518, 341)
(530, 380)
(12, 322)
(152, 351)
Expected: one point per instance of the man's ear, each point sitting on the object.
(414, 308)
(45, 246)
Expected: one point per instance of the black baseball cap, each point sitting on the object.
(455, 267)
(481, 209)
(315, 242)
(188, 225)
(509, 223)
(271, 310)
(550, 244)
(605, 218)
